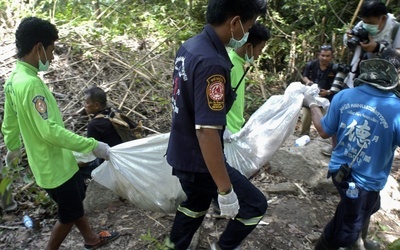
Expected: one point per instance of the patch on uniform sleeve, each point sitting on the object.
(216, 92)
(40, 106)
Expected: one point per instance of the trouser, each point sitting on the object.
(200, 189)
(350, 217)
(306, 120)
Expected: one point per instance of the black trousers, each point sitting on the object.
(200, 189)
(350, 216)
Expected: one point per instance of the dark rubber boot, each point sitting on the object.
(369, 244)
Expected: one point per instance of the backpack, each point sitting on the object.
(126, 128)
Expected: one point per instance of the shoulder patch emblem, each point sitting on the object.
(216, 92)
(41, 106)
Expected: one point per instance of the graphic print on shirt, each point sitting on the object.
(179, 74)
(216, 92)
(358, 131)
(175, 93)
(180, 67)
(40, 106)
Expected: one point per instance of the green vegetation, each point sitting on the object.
(155, 244)
(298, 28)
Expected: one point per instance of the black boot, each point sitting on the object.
(368, 244)
(322, 244)
(358, 245)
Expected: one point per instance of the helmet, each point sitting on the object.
(379, 73)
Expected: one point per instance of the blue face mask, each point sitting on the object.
(234, 44)
(372, 29)
(251, 59)
(43, 67)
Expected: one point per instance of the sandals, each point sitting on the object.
(105, 237)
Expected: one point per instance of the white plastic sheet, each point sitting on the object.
(138, 170)
(267, 129)
(83, 157)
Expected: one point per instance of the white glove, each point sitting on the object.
(102, 151)
(228, 204)
(309, 101)
(13, 158)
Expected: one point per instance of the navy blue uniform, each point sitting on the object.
(202, 95)
(324, 78)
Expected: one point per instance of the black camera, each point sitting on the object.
(341, 71)
(359, 35)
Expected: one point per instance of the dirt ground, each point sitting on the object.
(291, 222)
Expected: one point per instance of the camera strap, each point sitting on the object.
(241, 79)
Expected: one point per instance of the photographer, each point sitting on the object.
(366, 124)
(376, 30)
(319, 71)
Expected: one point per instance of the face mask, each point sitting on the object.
(234, 44)
(43, 67)
(372, 29)
(251, 59)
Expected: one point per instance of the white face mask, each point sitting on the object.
(43, 67)
(234, 44)
(251, 59)
(372, 29)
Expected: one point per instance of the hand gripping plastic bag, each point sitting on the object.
(267, 129)
(138, 171)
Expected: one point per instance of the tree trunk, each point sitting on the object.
(292, 57)
(96, 8)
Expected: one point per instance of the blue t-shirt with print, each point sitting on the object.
(368, 118)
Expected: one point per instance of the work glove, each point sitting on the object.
(309, 101)
(228, 204)
(102, 151)
(13, 158)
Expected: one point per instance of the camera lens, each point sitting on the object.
(353, 42)
(338, 82)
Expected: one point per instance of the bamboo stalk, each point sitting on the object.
(351, 24)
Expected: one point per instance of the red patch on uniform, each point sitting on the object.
(216, 92)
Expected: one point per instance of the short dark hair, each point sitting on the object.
(96, 94)
(258, 33)
(218, 11)
(31, 31)
(326, 47)
(373, 8)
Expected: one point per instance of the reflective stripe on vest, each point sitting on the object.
(250, 222)
(191, 213)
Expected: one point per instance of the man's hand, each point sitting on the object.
(324, 92)
(13, 158)
(309, 101)
(370, 46)
(310, 83)
(102, 151)
(228, 204)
